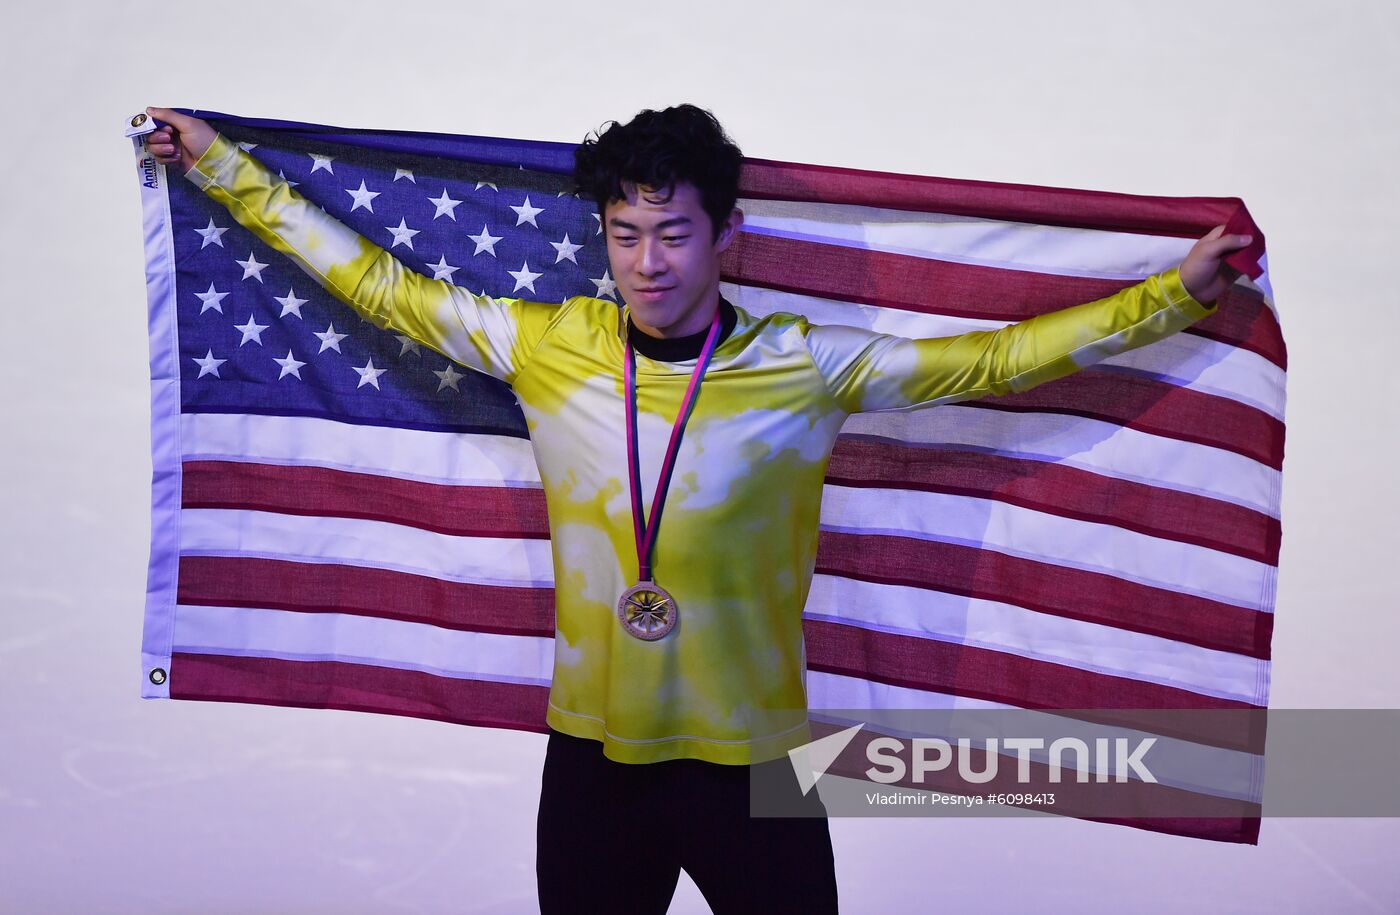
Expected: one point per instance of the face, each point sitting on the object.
(665, 259)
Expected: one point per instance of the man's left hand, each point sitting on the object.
(1204, 272)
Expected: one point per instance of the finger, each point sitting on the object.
(1226, 243)
(1214, 233)
(173, 118)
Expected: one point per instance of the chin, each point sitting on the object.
(651, 314)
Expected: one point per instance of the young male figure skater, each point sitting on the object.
(677, 615)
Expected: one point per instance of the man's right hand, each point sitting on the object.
(181, 141)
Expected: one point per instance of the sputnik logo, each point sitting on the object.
(811, 760)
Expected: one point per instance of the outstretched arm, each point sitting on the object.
(867, 371)
(492, 335)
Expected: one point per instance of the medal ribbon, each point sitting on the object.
(646, 541)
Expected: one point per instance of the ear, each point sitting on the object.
(729, 230)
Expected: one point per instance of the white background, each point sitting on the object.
(112, 803)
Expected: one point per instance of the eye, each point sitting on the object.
(675, 237)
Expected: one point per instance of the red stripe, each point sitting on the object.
(1043, 486)
(1160, 408)
(1154, 407)
(1240, 728)
(358, 688)
(931, 286)
(1219, 829)
(980, 673)
(466, 511)
(998, 676)
(222, 581)
(1183, 217)
(1060, 490)
(1093, 597)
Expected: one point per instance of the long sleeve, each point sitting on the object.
(867, 371)
(492, 335)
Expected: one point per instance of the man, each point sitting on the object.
(678, 615)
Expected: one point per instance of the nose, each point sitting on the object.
(652, 260)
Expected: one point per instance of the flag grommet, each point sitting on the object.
(158, 675)
(138, 120)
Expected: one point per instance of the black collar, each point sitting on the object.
(680, 349)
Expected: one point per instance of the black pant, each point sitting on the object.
(613, 837)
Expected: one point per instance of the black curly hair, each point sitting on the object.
(660, 149)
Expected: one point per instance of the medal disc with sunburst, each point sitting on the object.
(647, 611)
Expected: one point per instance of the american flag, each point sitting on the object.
(343, 518)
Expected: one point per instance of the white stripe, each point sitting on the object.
(452, 458)
(356, 639)
(1043, 537)
(370, 544)
(1062, 250)
(1003, 244)
(1088, 444)
(1176, 762)
(999, 626)
(1186, 360)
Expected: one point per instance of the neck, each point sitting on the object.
(698, 322)
(680, 349)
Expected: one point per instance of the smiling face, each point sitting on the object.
(665, 258)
